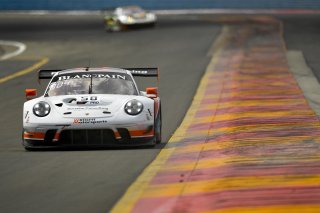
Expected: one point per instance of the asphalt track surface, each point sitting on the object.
(93, 180)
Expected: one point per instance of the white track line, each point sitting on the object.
(21, 48)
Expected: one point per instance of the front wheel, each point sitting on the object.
(112, 25)
(158, 128)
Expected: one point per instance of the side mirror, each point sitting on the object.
(30, 93)
(152, 92)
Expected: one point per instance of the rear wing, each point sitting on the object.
(141, 72)
(46, 74)
(144, 72)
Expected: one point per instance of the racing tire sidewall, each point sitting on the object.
(158, 128)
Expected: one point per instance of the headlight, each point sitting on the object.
(126, 19)
(133, 107)
(130, 19)
(41, 109)
(151, 16)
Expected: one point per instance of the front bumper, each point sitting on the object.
(138, 23)
(102, 137)
(40, 144)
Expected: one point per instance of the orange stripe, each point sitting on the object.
(41, 135)
(56, 136)
(136, 133)
(33, 135)
(117, 134)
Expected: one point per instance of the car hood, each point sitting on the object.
(71, 106)
(139, 15)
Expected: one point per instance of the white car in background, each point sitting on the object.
(128, 17)
(94, 107)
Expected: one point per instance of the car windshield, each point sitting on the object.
(132, 10)
(92, 83)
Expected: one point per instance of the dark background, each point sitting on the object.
(156, 4)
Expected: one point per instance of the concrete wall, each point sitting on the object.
(156, 4)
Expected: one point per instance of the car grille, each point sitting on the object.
(87, 137)
(50, 135)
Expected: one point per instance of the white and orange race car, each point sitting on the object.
(129, 17)
(94, 107)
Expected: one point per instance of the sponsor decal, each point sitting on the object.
(139, 71)
(87, 108)
(79, 76)
(99, 108)
(77, 121)
(86, 98)
(76, 108)
(94, 102)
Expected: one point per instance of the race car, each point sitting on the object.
(94, 107)
(129, 17)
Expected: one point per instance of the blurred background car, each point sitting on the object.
(129, 17)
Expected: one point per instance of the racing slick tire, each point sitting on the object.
(158, 128)
(113, 26)
(23, 142)
(29, 149)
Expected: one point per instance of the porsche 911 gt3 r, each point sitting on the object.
(92, 107)
(130, 16)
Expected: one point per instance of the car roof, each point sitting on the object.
(131, 7)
